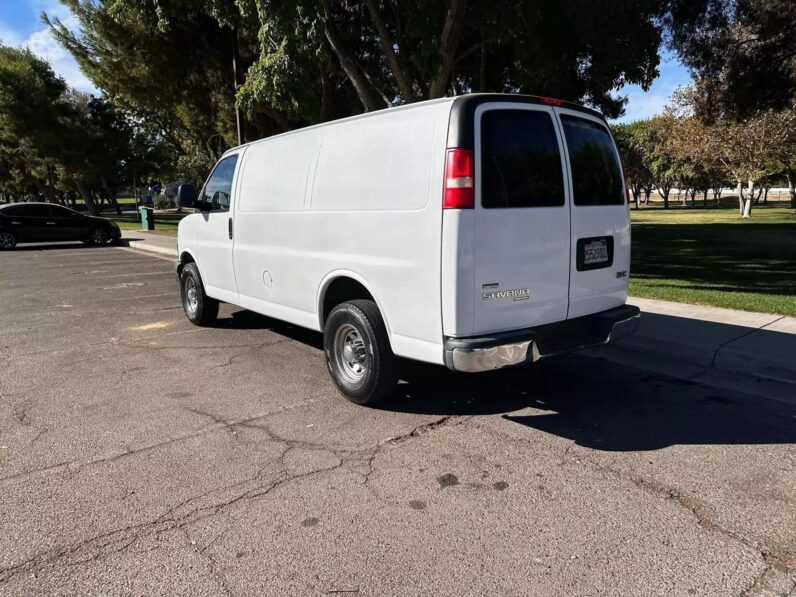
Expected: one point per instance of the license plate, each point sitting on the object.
(595, 251)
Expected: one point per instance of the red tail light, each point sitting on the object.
(552, 101)
(459, 180)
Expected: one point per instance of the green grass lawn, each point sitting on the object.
(164, 224)
(711, 256)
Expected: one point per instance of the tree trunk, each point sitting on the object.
(111, 196)
(451, 35)
(747, 211)
(350, 66)
(44, 190)
(388, 47)
(327, 93)
(740, 197)
(665, 194)
(790, 175)
(91, 207)
(482, 72)
(636, 191)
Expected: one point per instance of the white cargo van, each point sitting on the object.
(476, 232)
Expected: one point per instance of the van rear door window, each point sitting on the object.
(596, 175)
(520, 160)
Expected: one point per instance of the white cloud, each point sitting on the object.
(42, 43)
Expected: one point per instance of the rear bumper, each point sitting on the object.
(520, 347)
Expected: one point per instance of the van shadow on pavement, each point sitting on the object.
(589, 401)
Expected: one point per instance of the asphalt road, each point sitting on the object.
(140, 455)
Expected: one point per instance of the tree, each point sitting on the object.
(654, 142)
(391, 53)
(749, 150)
(53, 138)
(742, 53)
(169, 63)
(629, 139)
(32, 115)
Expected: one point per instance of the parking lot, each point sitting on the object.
(142, 455)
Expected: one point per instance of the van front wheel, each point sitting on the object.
(358, 353)
(199, 308)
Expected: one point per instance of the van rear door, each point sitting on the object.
(600, 240)
(522, 219)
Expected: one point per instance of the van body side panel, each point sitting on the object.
(269, 228)
(359, 196)
(458, 271)
(376, 210)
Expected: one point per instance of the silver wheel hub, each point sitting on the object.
(191, 295)
(350, 353)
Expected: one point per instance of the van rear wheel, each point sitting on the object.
(199, 308)
(358, 352)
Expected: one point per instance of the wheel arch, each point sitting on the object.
(341, 286)
(186, 256)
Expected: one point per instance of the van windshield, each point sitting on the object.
(596, 175)
(520, 160)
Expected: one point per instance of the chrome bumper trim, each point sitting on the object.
(472, 360)
(522, 347)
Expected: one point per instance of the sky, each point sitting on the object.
(21, 25)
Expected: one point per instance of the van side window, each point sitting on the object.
(218, 190)
(596, 176)
(520, 160)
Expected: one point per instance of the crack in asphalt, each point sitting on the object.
(121, 539)
(773, 581)
(76, 466)
(780, 562)
(704, 513)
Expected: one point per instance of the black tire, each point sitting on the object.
(96, 236)
(8, 241)
(199, 308)
(367, 371)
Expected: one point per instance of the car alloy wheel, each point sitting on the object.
(7, 240)
(97, 236)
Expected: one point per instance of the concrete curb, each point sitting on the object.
(150, 248)
(758, 345)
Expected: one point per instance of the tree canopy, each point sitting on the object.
(742, 53)
(171, 97)
(53, 139)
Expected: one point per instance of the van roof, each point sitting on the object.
(466, 103)
(461, 132)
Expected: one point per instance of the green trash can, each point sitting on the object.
(147, 218)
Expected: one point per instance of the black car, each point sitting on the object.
(47, 222)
